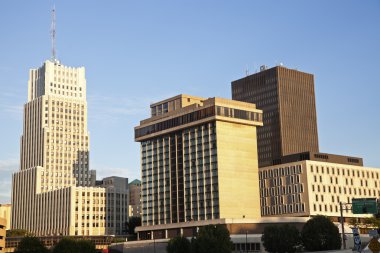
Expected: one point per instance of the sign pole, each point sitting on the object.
(342, 224)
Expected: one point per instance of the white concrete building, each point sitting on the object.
(311, 187)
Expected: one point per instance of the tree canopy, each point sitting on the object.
(281, 238)
(179, 244)
(31, 244)
(132, 224)
(212, 239)
(69, 245)
(320, 233)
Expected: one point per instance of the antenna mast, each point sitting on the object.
(52, 33)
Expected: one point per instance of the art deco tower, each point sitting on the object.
(53, 192)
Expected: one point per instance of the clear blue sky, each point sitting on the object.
(139, 52)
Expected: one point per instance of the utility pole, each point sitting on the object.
(246, 241)
(342, 225)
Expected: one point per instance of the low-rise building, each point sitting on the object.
(308, 186)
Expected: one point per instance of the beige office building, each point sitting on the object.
(5, 212)
(199, 162)
(3, 223)
(54, 193)
(311, 186)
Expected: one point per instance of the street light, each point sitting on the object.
(246, 241)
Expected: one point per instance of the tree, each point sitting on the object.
(212, 239)
(86, 246)
(31, 244)
(320, 233)
(65, 245)
(132, 224)
(372, 222)
(281, 238)
(179, 244)
(69, 245)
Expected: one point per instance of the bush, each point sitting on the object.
(68, 245)
(179, 245)
(320, 233)
(212, 239)
(31, 245)
(17, 232)
(281, 238)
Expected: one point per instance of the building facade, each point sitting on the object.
(134, 198)
(287, 99)
(199, 161)
(308, 188)
(5, 212)
(117, 204)
(54, 192)
(3, 223)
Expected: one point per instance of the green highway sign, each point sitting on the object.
(364, 206)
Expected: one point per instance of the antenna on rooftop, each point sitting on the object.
(52, 33)
(246, 71)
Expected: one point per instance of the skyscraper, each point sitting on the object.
(54, 193)
(287, 99)
(198, 163)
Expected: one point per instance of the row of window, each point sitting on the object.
(65, 104)
(67, 86)
(246, 247)
(345, 190)
(283, 171)
(283, 209)
(345, 172)
(177, 121)
(281, 190)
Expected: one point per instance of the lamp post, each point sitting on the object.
(246, 241)
(154, 244)
(346, 207)
(342, 225)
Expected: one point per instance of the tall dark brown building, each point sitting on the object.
(288, 100)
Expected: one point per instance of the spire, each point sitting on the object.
(52, 33)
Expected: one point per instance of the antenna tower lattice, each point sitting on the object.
(52, 33)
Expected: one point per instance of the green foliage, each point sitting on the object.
(68, 245)
(320, 233)
(85, 246)
(281, 238)
(212, 239)
(132, 224)
(31, 245)
(372, 222)
(17, 232)
(179, 245)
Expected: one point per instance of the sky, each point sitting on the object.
(139, 52)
